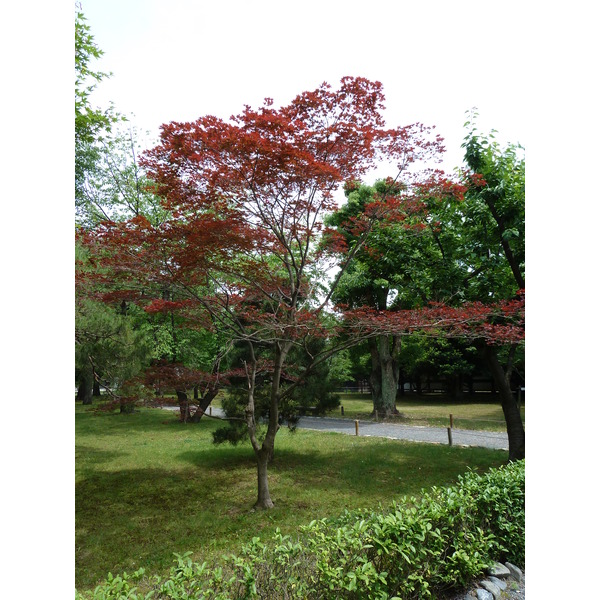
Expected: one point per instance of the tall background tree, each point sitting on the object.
(460, 250)
(400, 266)
(494, 225)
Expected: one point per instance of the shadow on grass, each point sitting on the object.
(94, 456)
(129, 518)
(370, 468)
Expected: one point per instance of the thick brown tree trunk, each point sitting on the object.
(512, 414)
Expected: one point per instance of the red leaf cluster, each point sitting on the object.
(497, 323)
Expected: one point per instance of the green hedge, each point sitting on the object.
(418, 548)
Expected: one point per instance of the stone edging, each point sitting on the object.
(498, 583)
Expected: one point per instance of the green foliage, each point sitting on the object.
(317, 391)
(91, 123)
(493, 216)
(436, 357)
(109, 340)
(418, 548)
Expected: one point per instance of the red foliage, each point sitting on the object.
(497, 323)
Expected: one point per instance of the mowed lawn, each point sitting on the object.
(481, 411)
(148, 486)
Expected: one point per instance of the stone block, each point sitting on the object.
(492, 588)
(498, 570)
(484, 595)
(501, 584)
(515, 572)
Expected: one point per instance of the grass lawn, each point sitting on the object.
(433, 410)
(148, 486)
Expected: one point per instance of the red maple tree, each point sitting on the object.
(246, 199)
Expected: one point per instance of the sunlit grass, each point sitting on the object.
(431, 409)
(148, 486)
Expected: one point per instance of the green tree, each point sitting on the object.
(116, 188)
(401, 266)
(91, 123)
(493, 251)
(108, 350)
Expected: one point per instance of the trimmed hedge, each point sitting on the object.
(419, 548)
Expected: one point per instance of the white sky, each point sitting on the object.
(181, 59)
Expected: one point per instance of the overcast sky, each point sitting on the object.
(179, 60)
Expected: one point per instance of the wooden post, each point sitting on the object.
(342, 410)
(451, 420)
(356, 426)
(450, 436)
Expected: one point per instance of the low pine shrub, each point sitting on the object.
(418, 548)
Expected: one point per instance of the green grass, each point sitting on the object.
(148, 486)
(433, 410)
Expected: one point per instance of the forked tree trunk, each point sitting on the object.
(264, 452)
(510, 408)
(185, 409)
(203, 405)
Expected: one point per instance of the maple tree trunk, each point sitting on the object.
(262, 462)
(264, 452)
(512, 414)
(384, 374)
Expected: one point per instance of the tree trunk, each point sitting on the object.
(86, 387)
(264, 452)
(184, 406)
(384, 374)
(455, 387)
(512, 414)
(262, 461)
(203, 404)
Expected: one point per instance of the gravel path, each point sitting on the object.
(413, 433)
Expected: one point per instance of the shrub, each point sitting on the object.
(416, 549)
